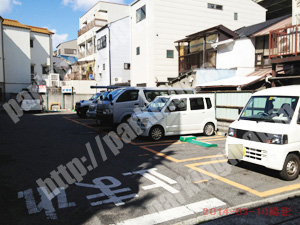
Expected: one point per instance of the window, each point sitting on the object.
(208, 103)
(129, 96)
(32, 69)
(103, 66)
(70, 51)
(236, 16)
(197, 103)
(126, 66)
(180, 104)
(101, 42)
(138, 51)
(141, 14)
(31, 43)
(214, 6)
(170, 53)
(151, 95)
(45, 69)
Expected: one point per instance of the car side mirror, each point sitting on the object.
(172, 108)
(110, 98)
(101, 97)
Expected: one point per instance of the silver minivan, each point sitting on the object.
(119, 105)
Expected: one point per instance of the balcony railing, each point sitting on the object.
(284, 42)
(92, 24)
(87, 52)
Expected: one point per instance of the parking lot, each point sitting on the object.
(147, 182)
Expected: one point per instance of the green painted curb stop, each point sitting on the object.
(193, 140)
(203, 144)
(187, 138)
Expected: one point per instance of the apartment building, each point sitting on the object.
(156, 25)
(68, 48)
(2, 81)
(113, 53)
(28, 52)
(97, 17)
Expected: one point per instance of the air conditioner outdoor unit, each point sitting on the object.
(118, 79)
(54, 80)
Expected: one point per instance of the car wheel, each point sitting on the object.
(83, 112)
(156, 133)
(290, 169)
(209, 129)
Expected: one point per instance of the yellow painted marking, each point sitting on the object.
(198, 182)
(179, 160)
(176, 141)
(240, 186)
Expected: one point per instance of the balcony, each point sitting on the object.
(95, 23)
(284, 42)
(89, 51)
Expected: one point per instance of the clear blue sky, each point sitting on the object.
(61, 16)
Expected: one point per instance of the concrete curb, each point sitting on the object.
(249, 205)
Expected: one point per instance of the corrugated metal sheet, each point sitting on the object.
(284, 23)
(227, 100)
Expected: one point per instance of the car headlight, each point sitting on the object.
(278, 139)
(145, 122)
(232, 132)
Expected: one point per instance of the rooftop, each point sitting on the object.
(15, 23)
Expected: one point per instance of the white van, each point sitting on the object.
(119, 105)
(176, 115)
(267, 131)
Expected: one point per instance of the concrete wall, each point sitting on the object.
(168, 21)
(84, 86)
(67, 45)
(40, 53)
(17, 58)
(238, 54)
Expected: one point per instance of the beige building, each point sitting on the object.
(97, 17)
(68, 48)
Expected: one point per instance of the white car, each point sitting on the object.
(176, 115)
(31, 101)
(267, 131)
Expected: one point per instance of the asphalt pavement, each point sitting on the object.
(135, 182)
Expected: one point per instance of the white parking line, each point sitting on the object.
(175, 213)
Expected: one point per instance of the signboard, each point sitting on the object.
(42, 88)
(66, 89)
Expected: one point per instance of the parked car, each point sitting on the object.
(82, 106)
(92, 111)
(176, 115)
(267, 131)
(31, 101)
(119, 105)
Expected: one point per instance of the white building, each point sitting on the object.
(27, 52)
(156, 25)
(2, 86)
(97, 17)
(68, 48)
(113, 53)
(296, 12)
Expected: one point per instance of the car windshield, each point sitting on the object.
(157, 104)
(113, 94)
(94, 97)
(274, 109)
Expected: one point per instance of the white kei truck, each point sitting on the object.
(267, 131)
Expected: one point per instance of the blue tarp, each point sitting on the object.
(71, 59)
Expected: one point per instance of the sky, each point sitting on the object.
(59, 16)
